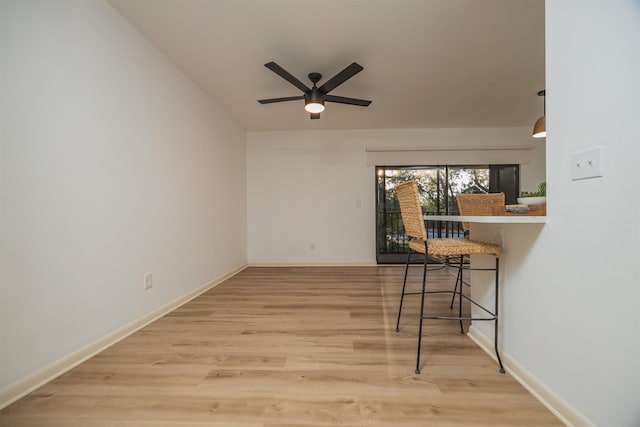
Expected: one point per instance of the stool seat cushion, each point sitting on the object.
(452, 247)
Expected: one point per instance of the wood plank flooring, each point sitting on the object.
(285, 347)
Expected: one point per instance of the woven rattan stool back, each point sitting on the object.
(478, 205)
(411, 210)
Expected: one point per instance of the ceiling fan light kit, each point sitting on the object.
(314, 101)
(314, 106)
(315, 97)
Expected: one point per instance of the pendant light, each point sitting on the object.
(540, 128)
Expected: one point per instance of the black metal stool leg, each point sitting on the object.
(458, 280)
(495, 332)
(404, 283)
(460, 296)
(424, 282)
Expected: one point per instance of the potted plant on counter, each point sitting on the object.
(538, 197)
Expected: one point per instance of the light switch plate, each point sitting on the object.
(586, 164)
(148, 280)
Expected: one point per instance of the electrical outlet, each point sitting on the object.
(148, 281)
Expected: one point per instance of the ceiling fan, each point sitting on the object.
(315, 97)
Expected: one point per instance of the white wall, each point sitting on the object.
(573, 315)
(311, 194)
(112, 164)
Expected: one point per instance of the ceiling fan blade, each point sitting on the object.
(314, 115)
(341, 77)
(286, 98)
(287, 76)
(343, 100)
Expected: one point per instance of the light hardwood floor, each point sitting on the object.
(285, 347)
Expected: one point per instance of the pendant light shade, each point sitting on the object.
(540, 128)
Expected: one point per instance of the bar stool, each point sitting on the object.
(475, 205)
(412, 218)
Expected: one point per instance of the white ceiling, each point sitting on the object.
(427, 63)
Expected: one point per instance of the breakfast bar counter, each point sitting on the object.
(517, 234)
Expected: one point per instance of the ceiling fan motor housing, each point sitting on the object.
(314, 96)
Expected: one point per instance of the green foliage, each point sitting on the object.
(431, 185)
(541, 191)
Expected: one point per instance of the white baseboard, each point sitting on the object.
(20, 388)
(314, 264)
(554, 403)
